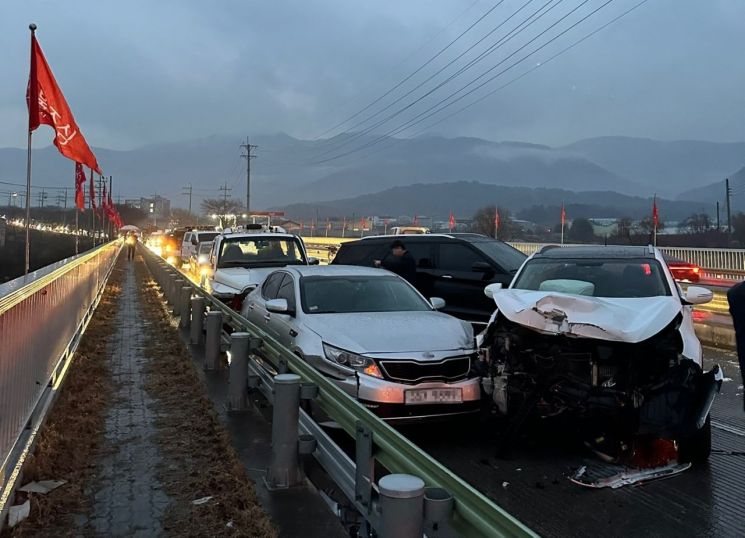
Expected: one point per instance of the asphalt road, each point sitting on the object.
(708, 500)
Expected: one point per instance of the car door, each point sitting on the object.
(284, 324)
(457, 280)
(423, 253)
(255, 311)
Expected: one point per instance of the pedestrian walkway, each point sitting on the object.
(128, 498)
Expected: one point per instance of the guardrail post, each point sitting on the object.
(177, 285)
(401, 506)
(284, 470)
(238, 378)
(185, 307)
(198, 305)
(364, 466)
(212, 341)
(438, 507)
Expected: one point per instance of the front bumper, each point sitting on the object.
(387, 398)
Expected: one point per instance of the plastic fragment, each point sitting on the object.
(202, 500)
(18, 513)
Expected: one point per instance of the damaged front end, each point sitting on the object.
(647, 387)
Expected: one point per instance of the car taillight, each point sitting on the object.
(696, 269)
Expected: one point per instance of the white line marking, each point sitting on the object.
(728, 428)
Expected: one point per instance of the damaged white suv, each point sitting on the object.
(606, 334)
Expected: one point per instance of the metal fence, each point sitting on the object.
(42, 317)
(721, 263)
(473, 514)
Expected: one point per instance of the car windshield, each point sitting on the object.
(346, 294)
(206, 247)
(260, 252)
(508, 258)
(596, 277)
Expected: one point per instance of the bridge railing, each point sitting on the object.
(473, 513)
(42, 317)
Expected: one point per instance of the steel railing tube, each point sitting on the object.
(212, 340)
(238, 373)
(185, 307)
(198, 306)
(401, 506)
(284, 470)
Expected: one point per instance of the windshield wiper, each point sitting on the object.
(233, 263)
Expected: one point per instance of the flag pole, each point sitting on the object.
(91, 201)
(77, 209)
(27, 265)
(655, 218)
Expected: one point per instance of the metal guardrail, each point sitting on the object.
(42, 317)
(473, 513)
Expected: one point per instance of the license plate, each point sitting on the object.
(433, 396)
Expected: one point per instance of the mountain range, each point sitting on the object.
(292, 171)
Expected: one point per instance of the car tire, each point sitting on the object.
(697, 447)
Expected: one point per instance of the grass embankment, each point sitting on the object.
(198, 459)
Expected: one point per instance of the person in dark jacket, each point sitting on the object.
(736, 300)
(399, 261)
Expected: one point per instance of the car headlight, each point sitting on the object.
(352, 360)
(202, 258)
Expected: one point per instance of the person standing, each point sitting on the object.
(399, 261)
(131, 242)
(736, 300)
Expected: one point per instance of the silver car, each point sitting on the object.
(374, 334)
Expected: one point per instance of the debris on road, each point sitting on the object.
(598, 477)
(42, 487)
(203, 500)
(18, 513)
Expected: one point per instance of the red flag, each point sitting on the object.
(362, 223)
(47, 105)
(655, 213)
(103, 208)
(79, 186)
(451, 222)
(563, 215)
(415, 222)
(92, 193)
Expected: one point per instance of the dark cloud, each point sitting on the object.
(141, 72)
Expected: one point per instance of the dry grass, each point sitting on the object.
(198, 459)
(74, 428)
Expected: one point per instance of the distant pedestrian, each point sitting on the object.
(399, 261)
(131, 242)
(736, 300)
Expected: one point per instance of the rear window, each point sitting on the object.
(359, 254)
(206, 236)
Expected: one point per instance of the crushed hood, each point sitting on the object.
(619, 320)
(239, 278)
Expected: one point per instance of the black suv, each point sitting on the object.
(456, 267)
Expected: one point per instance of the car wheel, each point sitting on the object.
(697, 447)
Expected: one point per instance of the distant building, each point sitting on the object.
(157, 207)
(135, 203)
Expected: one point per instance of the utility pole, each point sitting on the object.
(719, 229)
(187, 191)
(729, 213)
(248, 147)
(42, 197)
(225, 190)
(65, 197)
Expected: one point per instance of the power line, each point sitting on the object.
(248, 147)
(417, 70)
(443, 104)
(491, 49)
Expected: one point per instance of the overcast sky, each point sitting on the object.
(144, 71)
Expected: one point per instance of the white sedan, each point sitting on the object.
(374, 334)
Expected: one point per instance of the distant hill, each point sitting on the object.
(289, 170)
(464, 198)
(669, 168)
(715, 192)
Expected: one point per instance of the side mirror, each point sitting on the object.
(313, 261)
(438, 303)
(698, 295)
(482, 267)
(491, 289)
(278, 306)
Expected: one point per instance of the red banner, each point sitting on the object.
(92, 193)
(79, 186)
(451, 222)
(47, 106)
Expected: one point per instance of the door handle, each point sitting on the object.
(447, 276)
(251, 306)
(267, 317)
